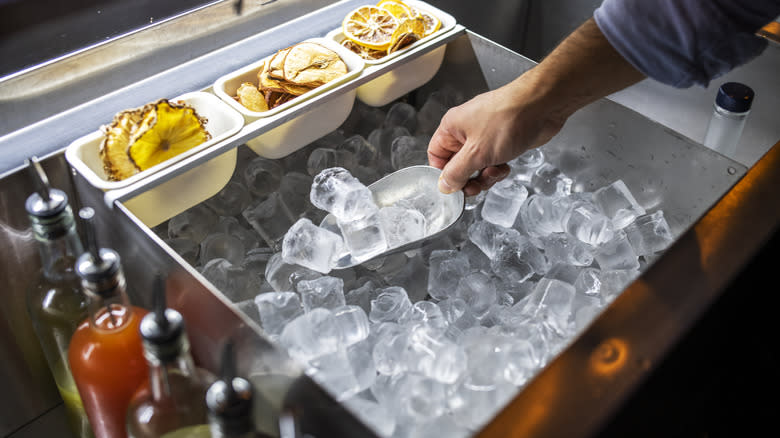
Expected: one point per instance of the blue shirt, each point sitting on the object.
(686, 42)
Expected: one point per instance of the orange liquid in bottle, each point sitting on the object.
(108, 365)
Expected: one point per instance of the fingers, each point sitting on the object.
(456, 171)
(486, 179)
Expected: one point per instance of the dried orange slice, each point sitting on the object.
(432, 22)
(409, 31)
(370, 26)
(399, 9)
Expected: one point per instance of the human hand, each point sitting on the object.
(486, 132)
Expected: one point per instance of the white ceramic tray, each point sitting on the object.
(447, 23)
(222, 122)
(225, 87)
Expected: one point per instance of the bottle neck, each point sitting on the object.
(109, 311)
(58, 251)
(165, 374)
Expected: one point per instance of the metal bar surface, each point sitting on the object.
(579, 391)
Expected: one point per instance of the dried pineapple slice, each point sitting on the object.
(116, 142)
(167, 130)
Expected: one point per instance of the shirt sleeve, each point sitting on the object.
(686, 42)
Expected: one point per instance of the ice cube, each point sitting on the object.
(407, 151)
(268, 218)
(549, 180)
(588, 282)
(373, 414)
(518, 264)
(232, 280)
(311, 335)
(617, 203)
(401, 114)
(308, 245)
(390, 305)
(326, 292)
(478, 291)
(262, 176)
(294, 190)
(186, 248)
(551, 301)
(334, 372)
(382, 138)
(446, 269)
(430, 114)
(503, 202)
(563, 248)
(193, 223)
(389, 352)
(285, 277)
(352, 322)
(324, 158)
(364, 153)
(276, 309)
(649, 234)
(425, 313)
(230, 225)
(493, 239)
(617, 253)
(401, 225)
(364, 236)
(542, 215)
(222, 245)
(587, 223)
(362, 295)
(336, 191)
(231, 200)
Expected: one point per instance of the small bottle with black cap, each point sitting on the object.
(55, 301)
(230, 401)
(732, 107)
(106, 353)
(172, 403)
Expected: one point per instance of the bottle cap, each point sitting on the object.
(100, 269)
(230, 398)
(48, 208)
(735, 97)
(162, 331)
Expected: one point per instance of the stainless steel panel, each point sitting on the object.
(29, 387)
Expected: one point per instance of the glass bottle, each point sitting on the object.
(172, 402)
(106, 354)
(55, 300)
(230, 402)
(732, 106)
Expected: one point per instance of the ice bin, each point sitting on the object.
(572, 395)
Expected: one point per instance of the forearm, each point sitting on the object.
(580, 70)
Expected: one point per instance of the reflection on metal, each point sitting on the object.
(609, 357)
(771, 32)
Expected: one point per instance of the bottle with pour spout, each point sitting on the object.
(172, 402)
(55, 301)
(230, 402)
(106, 352)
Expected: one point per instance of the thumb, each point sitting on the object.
(457, 171)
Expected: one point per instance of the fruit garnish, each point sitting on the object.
(167, 129)
(311, 65)
(370, 26)
(363, 52)
(432, 22)
(116, 142)
(399, 9)
(250, 96)
(409, 31)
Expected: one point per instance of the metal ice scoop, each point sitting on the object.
(418, 184)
